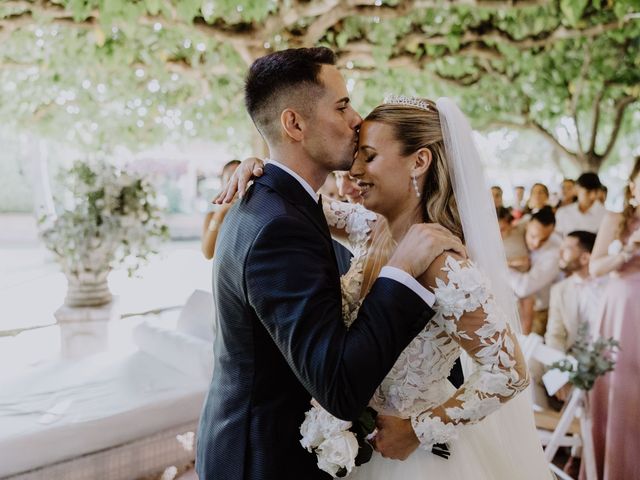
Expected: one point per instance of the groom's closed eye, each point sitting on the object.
(343, 103)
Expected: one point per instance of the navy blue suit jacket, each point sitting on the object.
(281, 339)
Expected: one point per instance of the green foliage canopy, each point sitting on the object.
(105, 72)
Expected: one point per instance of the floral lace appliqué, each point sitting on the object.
(357, 222)
(469, 315)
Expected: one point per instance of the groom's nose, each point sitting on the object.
(356, 121)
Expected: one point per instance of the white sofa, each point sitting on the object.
(111, 415)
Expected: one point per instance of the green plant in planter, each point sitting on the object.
(108, 218)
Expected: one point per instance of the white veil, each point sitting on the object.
(513, 424)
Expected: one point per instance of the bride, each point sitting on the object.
(416, 162)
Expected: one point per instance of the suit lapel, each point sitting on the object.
(291, 190)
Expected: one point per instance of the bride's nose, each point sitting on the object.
(357, 169)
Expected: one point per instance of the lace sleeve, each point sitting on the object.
(469, 316)
(354, 220)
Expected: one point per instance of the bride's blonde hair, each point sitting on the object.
(417, 128)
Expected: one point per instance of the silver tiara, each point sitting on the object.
(408, 101)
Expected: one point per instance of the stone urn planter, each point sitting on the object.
(108, 218)
(87, 289)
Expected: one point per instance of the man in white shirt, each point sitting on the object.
(587, 213)
(576, 298)
(544, 251)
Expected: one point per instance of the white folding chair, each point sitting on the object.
(571, 427)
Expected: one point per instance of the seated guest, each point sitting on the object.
(496, 193)
(348, 188)
(567, 192)
(544, 253)
(602, 194)
(575, 299)
(515, 247)
(517, 254)
(587, 213)
(538, 198)
(519, 205)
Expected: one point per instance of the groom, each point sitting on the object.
(281, 339)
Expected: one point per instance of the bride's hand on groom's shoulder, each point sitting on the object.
(248, 169)
(421, 245)
(395, 437)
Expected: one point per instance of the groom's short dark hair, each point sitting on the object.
(288, 78)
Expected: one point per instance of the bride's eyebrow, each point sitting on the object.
(367, 147)
(344, 100)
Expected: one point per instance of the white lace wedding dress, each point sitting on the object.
(467, 319)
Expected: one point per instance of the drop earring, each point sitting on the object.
(415, 185)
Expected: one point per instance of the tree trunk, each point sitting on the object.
(590, 162)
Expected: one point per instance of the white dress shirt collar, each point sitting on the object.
(300, 180)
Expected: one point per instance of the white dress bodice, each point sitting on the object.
(466, 316)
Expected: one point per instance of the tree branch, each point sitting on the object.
(596, 121)
(527, 126)
(575, 97)
(549, 136)
(621, 107)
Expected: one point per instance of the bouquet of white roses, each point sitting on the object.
(339, 445)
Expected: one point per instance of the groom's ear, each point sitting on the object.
(422, 161)
(292, 124)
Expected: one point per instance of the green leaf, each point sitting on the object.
(187, 10)
(153, 6)
(573, 10)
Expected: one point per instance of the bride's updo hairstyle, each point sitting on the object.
(417, 127)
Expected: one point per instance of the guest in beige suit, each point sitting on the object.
(544, 253)
(576, 298)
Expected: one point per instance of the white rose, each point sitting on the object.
(332, 425)
(311, 430)
(338, 452)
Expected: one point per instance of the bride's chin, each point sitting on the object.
(369, 204)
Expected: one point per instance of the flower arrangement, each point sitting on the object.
(339, 445)
(591, 359)
(108, 218)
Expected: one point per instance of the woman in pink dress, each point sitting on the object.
(615, 398)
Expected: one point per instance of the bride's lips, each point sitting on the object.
(364, 187)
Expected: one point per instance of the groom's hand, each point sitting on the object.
(395, 438)
(248, 169)
(422, 244)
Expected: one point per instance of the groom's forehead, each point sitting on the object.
(333, 82)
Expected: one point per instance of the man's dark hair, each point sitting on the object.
(545, 216)
(497, 187)
(586, 240)
(281, 79)
(589, 181)
(504, 214)
(604, 188)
